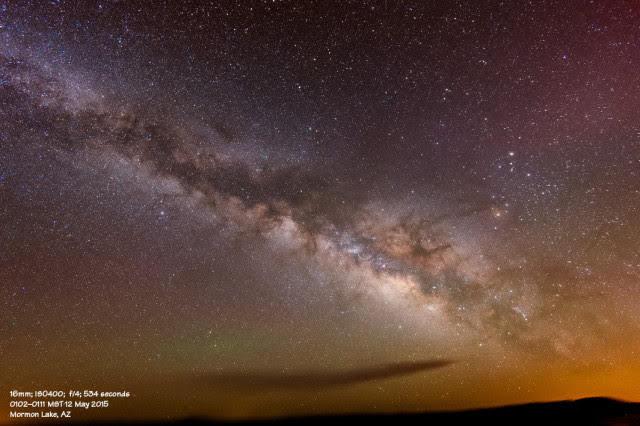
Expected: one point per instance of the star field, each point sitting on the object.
(354, 206)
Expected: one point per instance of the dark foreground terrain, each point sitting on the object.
(589, 411)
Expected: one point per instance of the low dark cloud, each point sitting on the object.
(318, 379)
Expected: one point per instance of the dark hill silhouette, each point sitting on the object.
(588, 411)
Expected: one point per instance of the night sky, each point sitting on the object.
(238, 209)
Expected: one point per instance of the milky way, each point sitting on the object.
(256, 191)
